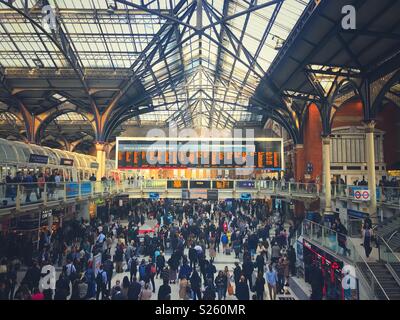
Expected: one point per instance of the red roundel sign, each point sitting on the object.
(357, 195)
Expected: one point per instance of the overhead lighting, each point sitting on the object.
(279, 42)
(59, 97)
(38, 63)
(111, 6)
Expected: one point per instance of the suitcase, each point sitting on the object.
(228, 251)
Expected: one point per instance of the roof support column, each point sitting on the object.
(370, 154)
(326, 159)
(101, 160)
(299, 162)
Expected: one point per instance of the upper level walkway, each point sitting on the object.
(23, 197)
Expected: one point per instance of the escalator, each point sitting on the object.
(379, 279)
(388, 288)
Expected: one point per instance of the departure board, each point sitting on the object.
(225, 184)
(133, 153)
(177, 184)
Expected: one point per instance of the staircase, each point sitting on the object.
(384, 277)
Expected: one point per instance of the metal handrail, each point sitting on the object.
(387, 245)
(392, 235)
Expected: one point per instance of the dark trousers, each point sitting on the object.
(249, 277)
(101, 289)
(196, 293)
(281, 282)
(153, 283)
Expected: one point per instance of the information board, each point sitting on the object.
(141, 153)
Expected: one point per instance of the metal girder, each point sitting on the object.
(61, 45)
(342, 73)
(332, 32)
(264, 39)
(373, 34)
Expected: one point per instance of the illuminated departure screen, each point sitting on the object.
(134, 153)
(222, 184)
(177, 184)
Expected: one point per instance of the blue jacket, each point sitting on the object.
(185, 271)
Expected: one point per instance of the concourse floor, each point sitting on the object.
(220, 261)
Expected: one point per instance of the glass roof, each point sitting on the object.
(193, 78)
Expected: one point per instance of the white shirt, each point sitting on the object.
(100, 238)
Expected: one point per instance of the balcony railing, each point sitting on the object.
(21, 194)
(24, 194)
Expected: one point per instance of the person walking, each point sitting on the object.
(367, 236)
(272, 280)
(101, 283)
(221, 285)
(183, 288)
(164, 292)
(259, 286)
(242, 289)
(146, 292)
(134, 290)
(195, 284)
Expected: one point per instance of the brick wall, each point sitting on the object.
(313, 141)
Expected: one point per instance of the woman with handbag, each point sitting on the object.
(367, 237)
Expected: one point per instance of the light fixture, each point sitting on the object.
(111, 6)
(38, 63)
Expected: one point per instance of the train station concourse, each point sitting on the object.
(200, 150)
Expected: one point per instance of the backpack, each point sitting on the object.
(153, 269)
(99, 277)
(142, 270)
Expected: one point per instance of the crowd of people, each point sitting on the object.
(180, 251)
(36, 184)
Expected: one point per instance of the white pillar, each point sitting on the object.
(84, 211)
(326, 160)
(370, 155)
(101, 160)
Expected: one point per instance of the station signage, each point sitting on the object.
(46, 214)
(212, 194)
(38, 158)
(94, 165)
(246, 184)
(200, 184)
(357, 214)
(362, 193)
(154, 195)
(245, 196)
(66, 162)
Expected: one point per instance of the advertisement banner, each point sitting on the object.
(86, 188)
